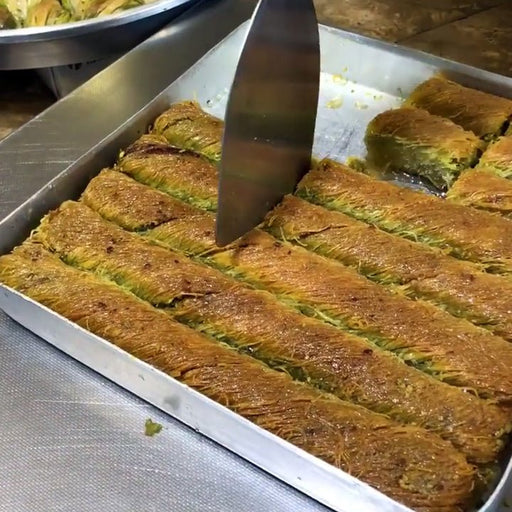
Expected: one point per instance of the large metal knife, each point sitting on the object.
(270, 117)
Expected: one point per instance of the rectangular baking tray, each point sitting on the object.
(360, 78)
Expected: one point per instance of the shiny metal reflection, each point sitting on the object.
(271, 113)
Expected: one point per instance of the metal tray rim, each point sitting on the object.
(76, 28)
(411, 52)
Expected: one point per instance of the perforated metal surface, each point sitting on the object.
(72, 441)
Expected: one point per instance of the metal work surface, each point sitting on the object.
(370, 78)
(82, 41)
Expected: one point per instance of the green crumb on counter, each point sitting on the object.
(152, 428)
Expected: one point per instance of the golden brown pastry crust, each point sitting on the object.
(464, 232)
(407, 463)
(420, 271)
(482, 188)
(484, 114)
(416, 142)
(348, 366)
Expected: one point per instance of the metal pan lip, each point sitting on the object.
(78, 28)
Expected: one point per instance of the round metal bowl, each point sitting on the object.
(84, 41)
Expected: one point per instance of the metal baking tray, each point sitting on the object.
(84, 41)
(360, 77)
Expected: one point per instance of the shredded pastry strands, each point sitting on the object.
(363, 322)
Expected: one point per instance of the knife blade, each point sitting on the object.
(270, 116)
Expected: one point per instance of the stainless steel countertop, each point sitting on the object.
(75, 442)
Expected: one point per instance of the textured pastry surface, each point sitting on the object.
(344, 364)
(498, 157)
(484, 189)
(365, 328)
(484, 114)
(461, 231)
(412, 140)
